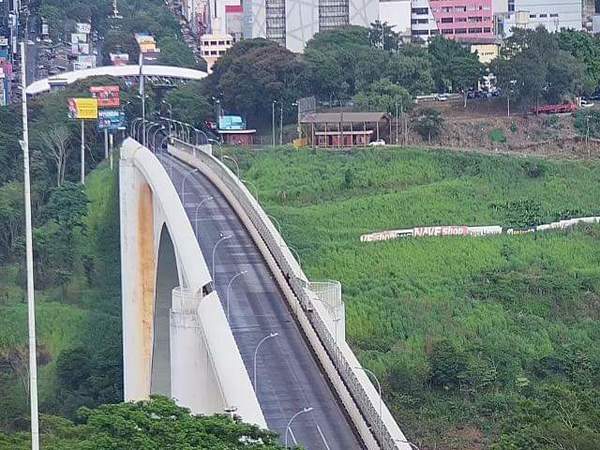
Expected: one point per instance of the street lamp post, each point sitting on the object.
(378, 387)
(269, 336)
(243, 272)
(183, 185)
(162, 128)
(33, 393)
(214, 273)
(287, 429)
(235, 162)
(198, 206)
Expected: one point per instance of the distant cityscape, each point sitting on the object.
(217, 24)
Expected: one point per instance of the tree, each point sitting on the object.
(57, 141)
(533, 67)
(189, 104)
(382, 35)
(412, 72)
(67, 206)
(384, 95)
(154, 424)
(429, 123)
(11, 218)
(585, 47)
(175, 52)
(255, 79)
(454, 67)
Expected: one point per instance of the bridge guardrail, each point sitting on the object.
(300, 287)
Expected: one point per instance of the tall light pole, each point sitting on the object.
(243, 272)
(273, 121)
(378, 386)
(214, 273)
(35, 432)
(287, 429)
(183, 185)
(143, 95)
(269, 336)
(280, 123)
(198, 206)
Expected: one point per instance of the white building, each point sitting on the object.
(292, 23)
(397, 14)
(553, 15)
(213, 46)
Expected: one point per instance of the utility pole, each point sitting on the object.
(273, 122)
(142, 94)
(281, 123)
(397, 125)
(82, 152)
(35, 433)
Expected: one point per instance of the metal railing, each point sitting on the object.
(301, 290)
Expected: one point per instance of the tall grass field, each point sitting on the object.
(479, 342)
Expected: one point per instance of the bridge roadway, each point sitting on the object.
(289, 377)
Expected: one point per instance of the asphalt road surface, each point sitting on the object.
(288, 376)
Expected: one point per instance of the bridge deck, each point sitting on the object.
(289, 377)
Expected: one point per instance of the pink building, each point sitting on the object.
(464, 20)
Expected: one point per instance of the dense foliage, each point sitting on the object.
(157, 424)
(478, 342)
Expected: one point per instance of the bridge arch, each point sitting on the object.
(176, 338)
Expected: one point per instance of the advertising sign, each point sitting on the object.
(107, 96)
(84, 28)
(77, 38)
(83, 108)
(3, 41)
(119, 59)
(111, 119)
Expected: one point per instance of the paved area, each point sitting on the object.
(288, 376)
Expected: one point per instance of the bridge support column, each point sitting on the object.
(193, 383)
(137, 280)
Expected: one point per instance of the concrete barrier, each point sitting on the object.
(356, 392)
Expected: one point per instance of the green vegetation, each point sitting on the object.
(154, 424)
(497, 136)
(489, 342)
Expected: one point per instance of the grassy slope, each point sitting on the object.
(506, 302)
(62, 323)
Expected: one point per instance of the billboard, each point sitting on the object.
(111, 119)
(83, 108)
(84, 28)
(119, 59)
(77, 38)
(107, 96)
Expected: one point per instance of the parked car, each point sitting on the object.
(441, 97)
(586, 103)
(377, 143)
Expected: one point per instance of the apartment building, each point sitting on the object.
(292, 23)
(553, 15)
(464, 20)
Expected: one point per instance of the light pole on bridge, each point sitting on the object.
(214, 273)
(287, 429)
(183, 185)
(243, 272)
(269, 336)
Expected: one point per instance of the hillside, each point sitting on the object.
(478, 342)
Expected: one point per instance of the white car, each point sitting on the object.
(442, 97)
(586, 104)
(377, 143)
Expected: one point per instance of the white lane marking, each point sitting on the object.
(323, 437)
(293, 437)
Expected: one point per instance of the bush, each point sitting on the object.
(497, 136)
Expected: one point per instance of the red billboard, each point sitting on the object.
(108, 96)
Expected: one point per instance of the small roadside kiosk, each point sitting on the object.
(233, 131)
(345, 129)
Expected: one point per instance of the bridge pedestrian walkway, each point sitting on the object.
(288, 376)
